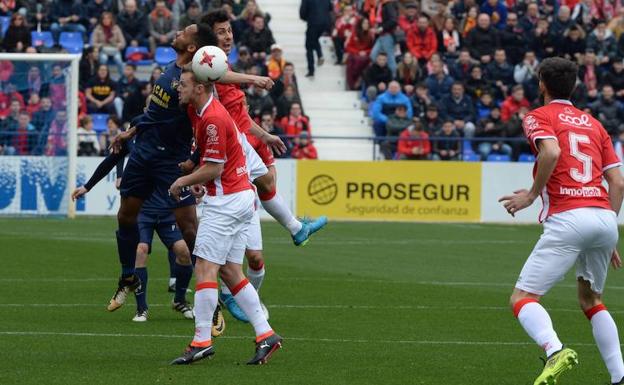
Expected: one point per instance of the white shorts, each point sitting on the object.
(585, 236)
(254, 234)
(223, 227)
(255, 165)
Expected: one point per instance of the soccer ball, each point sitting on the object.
(209, 63)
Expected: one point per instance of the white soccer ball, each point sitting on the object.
(209, 63)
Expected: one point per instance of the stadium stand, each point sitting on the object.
(139, 34)
(473, 61)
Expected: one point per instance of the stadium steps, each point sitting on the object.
(333, 111)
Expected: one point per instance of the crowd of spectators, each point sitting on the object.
(33, 102)
(455, 78)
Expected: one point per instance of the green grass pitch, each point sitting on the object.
(363, 303)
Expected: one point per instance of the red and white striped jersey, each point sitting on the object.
(586, 152)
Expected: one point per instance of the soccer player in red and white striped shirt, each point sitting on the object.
(574, 154)
(222, 233)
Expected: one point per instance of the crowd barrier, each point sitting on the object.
(409, 191)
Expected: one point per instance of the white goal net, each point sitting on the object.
(38, 133)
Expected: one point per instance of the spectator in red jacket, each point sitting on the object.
(304, 149)
(295, 122)
(414, 143)
(422, 41)
(342, 29)
(513, 103)
(358, 48)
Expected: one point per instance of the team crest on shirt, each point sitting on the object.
(530, 124)
(213, 134)
(174, 84)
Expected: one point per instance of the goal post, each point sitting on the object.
(15, 163)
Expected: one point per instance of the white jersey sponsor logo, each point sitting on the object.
(581, 191)
(582, 121)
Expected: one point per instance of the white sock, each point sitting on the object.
(224, 288)
(606, 336)
(538, 325)
(256, 277)
(280, 211)
(247, 299)
(172, 281)
(205, 305)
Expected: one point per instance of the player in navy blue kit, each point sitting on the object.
(156, 216)
(163, 140)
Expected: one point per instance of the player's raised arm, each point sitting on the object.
(232, 77)
(273, 141)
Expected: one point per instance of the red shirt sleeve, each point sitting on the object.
(609, 157)
(537, 126)
(214, 141)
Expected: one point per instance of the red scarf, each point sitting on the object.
(108, 32)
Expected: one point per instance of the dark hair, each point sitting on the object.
(214, 17)
(189, 71)
(558, 76)
(132, 65)
(114, 119)
(205, 36)
(517, 87)
(382, 54)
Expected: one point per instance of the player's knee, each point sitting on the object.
(265, 184)
(141, 254)
(589, 301)
(182, 253)
(255, 259)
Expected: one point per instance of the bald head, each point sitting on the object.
(130, 6)
(483, 21)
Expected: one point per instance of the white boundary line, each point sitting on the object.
(509, 285)
(313, 307)
(287, 338)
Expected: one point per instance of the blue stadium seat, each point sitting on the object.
(143, 50)
(498, 158)
(5, 21)
(467, 147)
(233, 56)
(528, 158)
(99, 122)
(471, 157)
(164, 55)
(43, 38)
(71, 41)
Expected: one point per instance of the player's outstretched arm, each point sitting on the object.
(273, 141)
(79, 193)
(100, 172)
(206, 173)
(121, 138)
(549, 152)
(232, 77)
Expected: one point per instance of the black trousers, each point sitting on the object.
(312, 44)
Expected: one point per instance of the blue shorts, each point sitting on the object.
(145, 173)
(165, 226)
